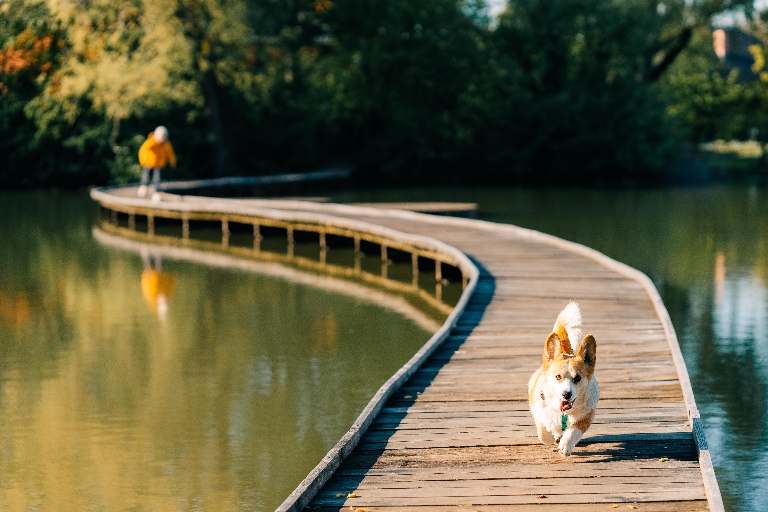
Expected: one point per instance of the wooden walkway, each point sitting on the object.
(458, 433)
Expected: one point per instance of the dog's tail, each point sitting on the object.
(568, 327)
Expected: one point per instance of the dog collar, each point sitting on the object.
(564, 420)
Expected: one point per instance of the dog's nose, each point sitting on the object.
(567, 395)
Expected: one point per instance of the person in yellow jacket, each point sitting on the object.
(154, 154)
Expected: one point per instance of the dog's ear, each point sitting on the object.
(551, 348)
(588, 350)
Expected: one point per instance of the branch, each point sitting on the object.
(681, 41)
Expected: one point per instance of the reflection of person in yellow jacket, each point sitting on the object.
(154, 154)
(156, 286)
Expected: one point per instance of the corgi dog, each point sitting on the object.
(563, 393)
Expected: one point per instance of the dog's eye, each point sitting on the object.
(577, 378)
(558, 377)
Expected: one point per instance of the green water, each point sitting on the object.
(221, 395)
(707, 251)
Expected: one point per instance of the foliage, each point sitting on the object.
(710, 100)
(417, 90)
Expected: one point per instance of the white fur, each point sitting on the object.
(570, 318)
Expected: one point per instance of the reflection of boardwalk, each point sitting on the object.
(211, 259)
(458, 431)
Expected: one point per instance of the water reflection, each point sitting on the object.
(226, 404)
(707, 251)
(15, 309)
(156, 286)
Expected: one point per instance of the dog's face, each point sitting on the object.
(567, 375)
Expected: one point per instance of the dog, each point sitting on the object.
(563, 393)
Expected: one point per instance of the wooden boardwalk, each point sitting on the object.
(458, 433)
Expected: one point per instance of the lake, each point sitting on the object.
(706, 249)
(157, 382)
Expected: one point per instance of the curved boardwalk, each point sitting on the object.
(458, 432)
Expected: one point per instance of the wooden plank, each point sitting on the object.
(672, 506)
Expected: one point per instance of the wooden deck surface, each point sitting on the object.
(459, 433)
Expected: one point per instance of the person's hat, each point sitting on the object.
(160, 134)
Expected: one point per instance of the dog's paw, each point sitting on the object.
(568, 441)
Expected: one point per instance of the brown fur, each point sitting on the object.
(584, 423)
(565, 343)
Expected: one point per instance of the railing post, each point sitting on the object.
(415, 264)
(291, 241)
(439, 280)
(132, 221)
(224, 232)
(150, 225)
(384, 261)
(323, 247)
(185, 227)
(256, 237)
(358, 254)
(114, 217)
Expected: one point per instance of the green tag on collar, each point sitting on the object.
(564, 419)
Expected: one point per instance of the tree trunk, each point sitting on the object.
(222, 160)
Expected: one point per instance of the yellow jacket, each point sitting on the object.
(152, 154)
(155, 284)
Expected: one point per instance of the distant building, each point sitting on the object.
(731, 46)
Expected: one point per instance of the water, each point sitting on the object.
(707, 251)
(199, 387)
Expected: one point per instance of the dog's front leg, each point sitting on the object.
(570, 437)
(544, 435)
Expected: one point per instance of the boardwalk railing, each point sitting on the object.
(423, 255)
(334, 173)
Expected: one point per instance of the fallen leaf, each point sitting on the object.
(341, 494)
(541, 496)
(625, 371)
(352, 495)
(626, 378)
(614, 506)
(407, 396)
(631, 506)
(363, 510)
(663, 459)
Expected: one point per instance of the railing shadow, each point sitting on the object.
(677, 446)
